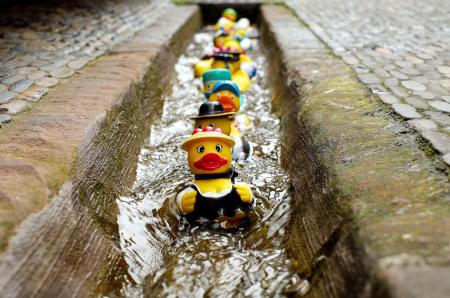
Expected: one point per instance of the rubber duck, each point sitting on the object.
(221, 37)
(224, 25)
(212, 114)
(240, 66)
(242, 24)
(213, 195)
(242, 32)
(211, 77)
(240, 38)
(230, 14)
(247, 69)
(227, 94)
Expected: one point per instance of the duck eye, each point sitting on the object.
(201, 149)
(219, 148)
(212, 124)
(218, 95)
(232, 96)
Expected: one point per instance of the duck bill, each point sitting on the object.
(210, 162)
(227, 103)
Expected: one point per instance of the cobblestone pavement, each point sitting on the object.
(42, 45)
(399, 49)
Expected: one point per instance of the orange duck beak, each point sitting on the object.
(227, 103)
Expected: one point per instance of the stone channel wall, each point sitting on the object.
(83, 139)
(369, 209)
(400, 51)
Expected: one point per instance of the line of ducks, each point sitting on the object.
(216, 142)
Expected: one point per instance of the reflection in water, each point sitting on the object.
(167, 258)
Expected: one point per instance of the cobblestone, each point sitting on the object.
(15, 106)
(37, 75)
(423, 124)
(417, 103)
(446, 158)
(47, 82)
(439, 117)
(440, 141)
(6, 96)
(406, 110)
(440, 105)
(62, 72)
(369, 78)
(424, 94)
(77, 64)
(21, 86)
(38, 41)
(4, 118)
(413, 85)
(33, 94)
(12, 79)
(388, 98)
(403, 44)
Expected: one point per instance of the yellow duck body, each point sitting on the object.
(209, 157)
(240, 77)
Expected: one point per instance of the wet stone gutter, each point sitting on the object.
(71, 155)
(370, 212)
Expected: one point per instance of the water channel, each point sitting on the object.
(166, 257)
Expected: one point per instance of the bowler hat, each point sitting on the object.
(212, 109)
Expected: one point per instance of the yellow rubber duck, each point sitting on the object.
(212, 114)
(211, 77)
(224, 25)
(213, 196)
(227, 21)
(221, 37)
(230, 14)
(227, 94)
(240, 66)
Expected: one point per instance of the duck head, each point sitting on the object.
(220, 37)
(232, 45)
(212, 76)
(209, 151)
(230, 14)
(227, 94)
(224, 24)
(212, 114)
(228, 59)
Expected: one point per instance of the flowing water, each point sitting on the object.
(166, 257)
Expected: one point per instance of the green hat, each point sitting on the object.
(230, 11)
(217, 74)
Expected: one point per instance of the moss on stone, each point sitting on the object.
(396, 195)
